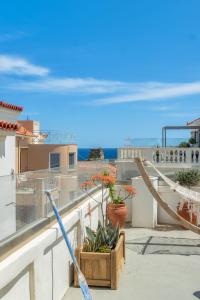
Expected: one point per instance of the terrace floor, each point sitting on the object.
(160, 264)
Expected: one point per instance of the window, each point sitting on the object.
(71, 160)
(54, 160)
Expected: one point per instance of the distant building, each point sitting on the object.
(8, 127)
(33, 154)
(195, 133)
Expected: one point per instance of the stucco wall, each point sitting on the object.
(39, 155)
(8, 115)
(42, 268)
(144, 207)
(171, 198)
(7, 155)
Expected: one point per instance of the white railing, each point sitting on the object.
(162, 155)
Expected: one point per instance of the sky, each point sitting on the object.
(102, 71)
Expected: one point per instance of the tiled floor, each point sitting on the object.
(160, 264)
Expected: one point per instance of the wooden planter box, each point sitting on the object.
(102, 269)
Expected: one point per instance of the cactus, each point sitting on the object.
(103, 240)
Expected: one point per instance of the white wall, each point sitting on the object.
(42, 269)
(7, 155)
(144, 207)
(7, 182)
(9, 115)
(7, 212)
(7, 187)
(172, 199)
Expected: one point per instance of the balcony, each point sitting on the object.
(34, 261)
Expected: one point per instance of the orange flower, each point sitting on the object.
(104, 179)
(87, 184)
(130, 190)
(96, 177)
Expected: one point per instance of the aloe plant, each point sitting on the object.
(103, 240)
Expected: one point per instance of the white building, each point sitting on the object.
(8, 126)
(195, 133)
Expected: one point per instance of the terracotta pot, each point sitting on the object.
(194, 219)
(117, 214)
(187, 213)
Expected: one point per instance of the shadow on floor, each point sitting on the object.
(164, 245)
(197, 294)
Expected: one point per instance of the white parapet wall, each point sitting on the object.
(172, 199)
(144, 206)
(174, 156)
(145, 210)
(42, 268)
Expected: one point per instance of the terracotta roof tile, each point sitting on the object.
(23, 131)
(11, 106)
(8, 126)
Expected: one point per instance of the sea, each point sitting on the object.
(109, 153)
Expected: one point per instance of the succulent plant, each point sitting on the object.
(103, 240)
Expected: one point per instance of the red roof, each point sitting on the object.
(11, 106)
(8, 126)
(23, 131)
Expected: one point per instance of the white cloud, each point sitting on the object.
(71, 85)
(113, 92)
(20, 66)
(152, 92)
(121, 92)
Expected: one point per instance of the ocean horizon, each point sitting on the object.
(109, 153)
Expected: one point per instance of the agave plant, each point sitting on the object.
(103, 240)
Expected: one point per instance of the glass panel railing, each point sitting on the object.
(24, 203)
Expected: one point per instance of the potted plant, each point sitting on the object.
(102, 254)
(186, 209)
(116, 210)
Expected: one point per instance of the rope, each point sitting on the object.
(185, 192)
(170, 211)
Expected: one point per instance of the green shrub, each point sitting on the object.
(188, 178)
(96, 154)
(184, 145)
(192, 141)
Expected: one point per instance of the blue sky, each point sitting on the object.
(102, 70)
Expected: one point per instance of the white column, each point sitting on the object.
(144, 206)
